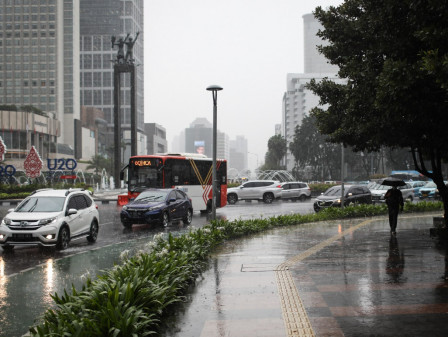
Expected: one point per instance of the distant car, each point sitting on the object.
(428, 191)
(49, 218)
(157, 206)
(292, 190)
(417, 185)
(266, 190)
(379, 191)
(353, 194)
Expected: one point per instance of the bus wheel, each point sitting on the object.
(232, 199)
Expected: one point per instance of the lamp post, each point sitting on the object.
(214, 89)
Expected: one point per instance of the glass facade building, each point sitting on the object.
(100, 20)
(39, 59)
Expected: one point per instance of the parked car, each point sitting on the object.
(428, 191)
(158, 206)
(417, 185)
(379, 191)
(292, 190)
(50, 217)
(353, 194)
(266, 190)
(437, 195)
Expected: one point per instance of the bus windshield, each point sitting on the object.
(144, 174)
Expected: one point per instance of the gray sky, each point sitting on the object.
(245, 46)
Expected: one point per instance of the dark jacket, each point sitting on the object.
(394, 198)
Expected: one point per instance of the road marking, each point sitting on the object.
(295, 317)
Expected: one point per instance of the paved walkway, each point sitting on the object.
(343, 278)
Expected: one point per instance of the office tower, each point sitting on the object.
(100, 20)
(39, 67)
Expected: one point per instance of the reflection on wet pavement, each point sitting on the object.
(361, 283)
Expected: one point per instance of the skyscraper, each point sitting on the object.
(39, 60)
(100, 20)
(298, 100)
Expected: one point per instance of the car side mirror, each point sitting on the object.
(72, 211)
(10, 210)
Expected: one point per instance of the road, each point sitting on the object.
(28, 276)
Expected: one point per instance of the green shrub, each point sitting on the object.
(132, 298)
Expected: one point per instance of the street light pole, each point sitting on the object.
(214, 89)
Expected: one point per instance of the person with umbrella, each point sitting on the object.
(394, 201)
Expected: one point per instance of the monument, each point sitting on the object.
(124, 63)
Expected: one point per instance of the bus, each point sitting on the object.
(189, 172)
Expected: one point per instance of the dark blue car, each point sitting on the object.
(158, 206)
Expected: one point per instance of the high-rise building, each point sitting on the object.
(39, 64)
(298, 100)
(100, 20)
(238, 153)
(199, 139)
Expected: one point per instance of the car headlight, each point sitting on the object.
(337, 201)
(155, 208)
(44, 222)
(6, 221)
(125, 208)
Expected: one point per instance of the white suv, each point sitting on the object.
(266, 190)
(50, 217)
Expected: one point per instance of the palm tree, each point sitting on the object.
(97, 163)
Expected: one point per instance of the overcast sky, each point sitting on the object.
(245, 46)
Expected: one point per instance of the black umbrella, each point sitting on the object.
(392, 182)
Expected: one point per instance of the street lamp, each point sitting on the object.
(214, 89)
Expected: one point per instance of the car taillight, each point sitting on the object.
(96, 206)
(279, 186)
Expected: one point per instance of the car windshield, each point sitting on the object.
(335, 190)
(41, 204)
(380, 187)
(152, 196)
(431, 184)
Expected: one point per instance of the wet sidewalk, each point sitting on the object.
(339, 278)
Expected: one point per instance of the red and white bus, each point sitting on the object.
(191, 173)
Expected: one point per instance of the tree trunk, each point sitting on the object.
(436, 174)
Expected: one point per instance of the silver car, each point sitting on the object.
(295, 190)
(50, 218)
(379, 191)
(266, 190)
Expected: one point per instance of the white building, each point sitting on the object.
(297, 100)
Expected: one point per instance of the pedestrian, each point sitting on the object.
(394, 201)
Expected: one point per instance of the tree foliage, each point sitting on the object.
(276, 151)
(388, 51)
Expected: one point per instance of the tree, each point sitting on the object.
(97, 163)
(392, 96)
(310, 148)
(276, 151)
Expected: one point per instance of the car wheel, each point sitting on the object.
(63, 238)
(93, 232)
(165, 219)
(8, 248)
(302, 197)
(268, 198)
(232, 199)
(188, 217)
